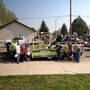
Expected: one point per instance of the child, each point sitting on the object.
(78, 55)
(23, 52)
(17, 55)
(65, 50)
(27, 54)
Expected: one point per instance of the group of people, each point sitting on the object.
(18, 50)
(68, 52)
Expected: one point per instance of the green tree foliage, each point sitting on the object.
(6, 16)
(89, 28)
(79, 26)
(43, 27)
(64, 29)
(56, 33)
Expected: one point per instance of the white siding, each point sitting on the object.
(13, 29)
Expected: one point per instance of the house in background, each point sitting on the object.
(14, 28)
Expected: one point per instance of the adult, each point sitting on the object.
(22, 39)
(28, 54)
(8, 48)
(58, 50)
(13, 50)
(17, 55)
(65, 50)
(78, 55)
(70, 50)
(23, 52)
(75, 48)
(27, 43)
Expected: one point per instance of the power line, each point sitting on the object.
(46, 17)
(54, 17)
(49, 17)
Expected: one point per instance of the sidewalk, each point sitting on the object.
(45, 67)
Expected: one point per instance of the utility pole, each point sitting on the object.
(70, 18)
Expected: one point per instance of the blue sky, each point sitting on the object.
(46, 8)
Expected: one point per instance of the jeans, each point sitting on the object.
(23, 57)
(59, 56)
(12, 55)
(77, 57)
(18, 58)
(74, 55)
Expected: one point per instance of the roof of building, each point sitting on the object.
(18, 23)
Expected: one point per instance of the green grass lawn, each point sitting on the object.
(45, 82)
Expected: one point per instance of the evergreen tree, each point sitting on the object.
(57, 33)
(43, 27)
(79, 26)
(64, 29)
(89, 28)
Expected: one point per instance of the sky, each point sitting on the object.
(32, 12)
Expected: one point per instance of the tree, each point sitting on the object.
(89, 28)
(43, 27)
(79, 26)
(64, 29)
(6, 16)
(57, 33)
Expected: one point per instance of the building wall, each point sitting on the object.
(14, 29)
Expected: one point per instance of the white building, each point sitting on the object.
(14, 28)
